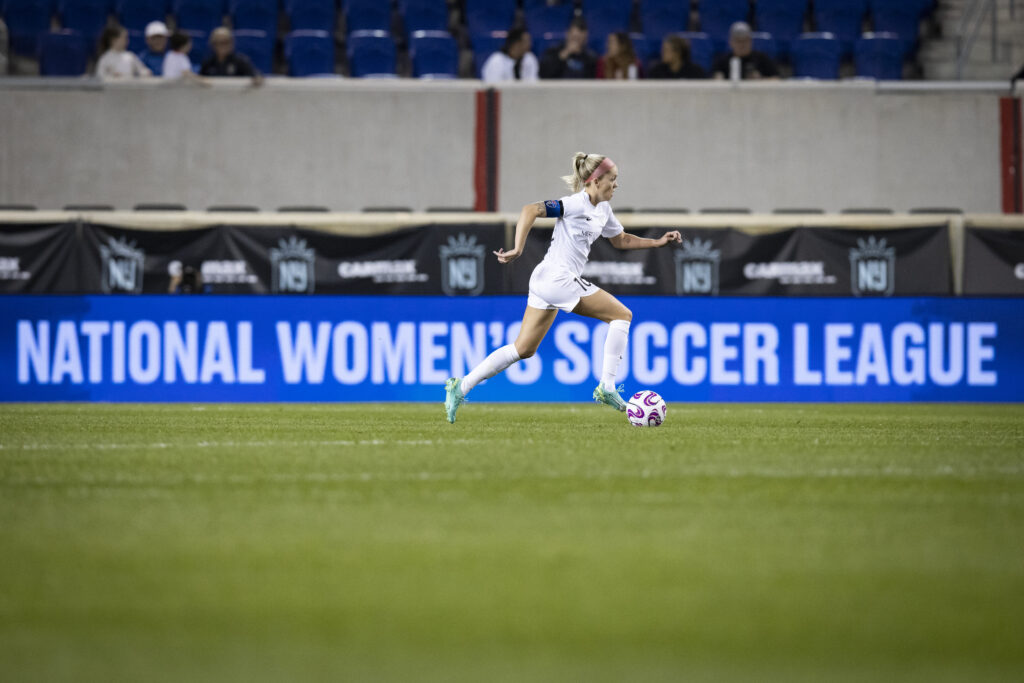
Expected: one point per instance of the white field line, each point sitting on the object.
(176, 479)
(221, 444)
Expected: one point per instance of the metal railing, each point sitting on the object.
(976, 12)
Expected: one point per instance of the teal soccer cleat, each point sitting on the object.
(610, 398)
(454, 398)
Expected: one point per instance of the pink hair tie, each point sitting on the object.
(602, 168)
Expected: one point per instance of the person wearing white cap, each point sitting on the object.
(156, 46)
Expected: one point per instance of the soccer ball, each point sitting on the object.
(646, 409)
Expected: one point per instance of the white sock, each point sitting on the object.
(614, 347)
(491, 366)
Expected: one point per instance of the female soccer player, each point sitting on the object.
(557, 283)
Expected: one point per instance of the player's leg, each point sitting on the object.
(607, 308)
(536, 323)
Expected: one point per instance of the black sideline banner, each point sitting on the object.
(794, 262)
(456, 260)
(39, 259)
(993, 261)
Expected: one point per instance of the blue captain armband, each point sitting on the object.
(553, 208)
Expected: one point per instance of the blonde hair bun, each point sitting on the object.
(583, 165)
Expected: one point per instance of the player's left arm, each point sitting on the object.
(626, 241)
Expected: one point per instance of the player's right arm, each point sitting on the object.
(527, 217)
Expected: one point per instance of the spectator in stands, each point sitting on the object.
(572, 58)
(753, 64)
(513, 62)
(177, 65)
(187, 280)
(156, 47)
(225, 61)
(115, 62)
(620, 61)
(3, 47)
(675, 60)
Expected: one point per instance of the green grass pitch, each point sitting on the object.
(524, 543)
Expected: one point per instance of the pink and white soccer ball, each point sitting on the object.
(646, 409)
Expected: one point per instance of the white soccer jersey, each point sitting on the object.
(579, 225)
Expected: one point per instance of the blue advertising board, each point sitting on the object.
(393, 348)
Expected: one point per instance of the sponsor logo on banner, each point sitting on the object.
(382, 272)
(10, 269)
(697, 267)
(617, 273)
(219, 272)
(462, 266)
(873, 267)
(790, 272)
(292, 267)
(121, 266)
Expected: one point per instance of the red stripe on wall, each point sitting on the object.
(480, 154)
(495, 145)
(485, 165)
(1010, 155)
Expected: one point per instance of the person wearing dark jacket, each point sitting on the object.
(225, 61)
(572, 58)
(675, 60)
(753, 64)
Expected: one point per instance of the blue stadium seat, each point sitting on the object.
(26, 20)
(135, 14)
(900, 17)
(136, 40)
(486, 44)
(434, 54)
(716, 16)
(258, 46)
(766, 43)
(371, 53)
(309, 52)
(702, 49)
(541, 42)
(63, 53)
(200, 45)
(784, 19)
(88, 17)
(256, 15)
(198, 15)
(879, 56)
(541, 19)
(487, 16)
(423, 15)
(604, 17)
(315, 15)
(367, 15)
(817, 55)
(659, 17)
(646, 48)
(841, 18)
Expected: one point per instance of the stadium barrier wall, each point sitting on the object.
(377, 349)
(348, 144)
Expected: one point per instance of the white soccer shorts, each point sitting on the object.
(554, 288)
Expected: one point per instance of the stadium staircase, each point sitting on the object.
(992, 56)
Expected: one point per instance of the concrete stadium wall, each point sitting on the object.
(762, 146)
(283, 144)
(347, 144)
